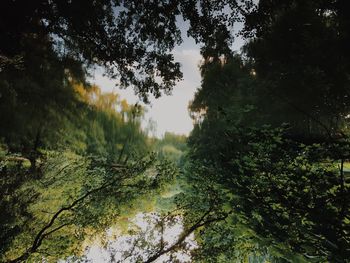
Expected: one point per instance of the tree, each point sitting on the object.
(287, 197)
(45, 44)
(283, 184)
(77, 197)
(132, 39)
(36, 99)
(300, 56)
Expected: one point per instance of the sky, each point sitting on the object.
(169, 112)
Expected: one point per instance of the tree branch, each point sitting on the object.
(185, 234)
(43, 233)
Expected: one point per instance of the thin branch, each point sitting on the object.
(42, 234)
(55, 229)
(185, 234)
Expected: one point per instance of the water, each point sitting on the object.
(144, 238)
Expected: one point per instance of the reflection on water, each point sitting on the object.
(148, 234)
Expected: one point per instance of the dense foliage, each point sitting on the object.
(271, 141)
(131, 39)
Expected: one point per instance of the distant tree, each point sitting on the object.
(44, 44)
